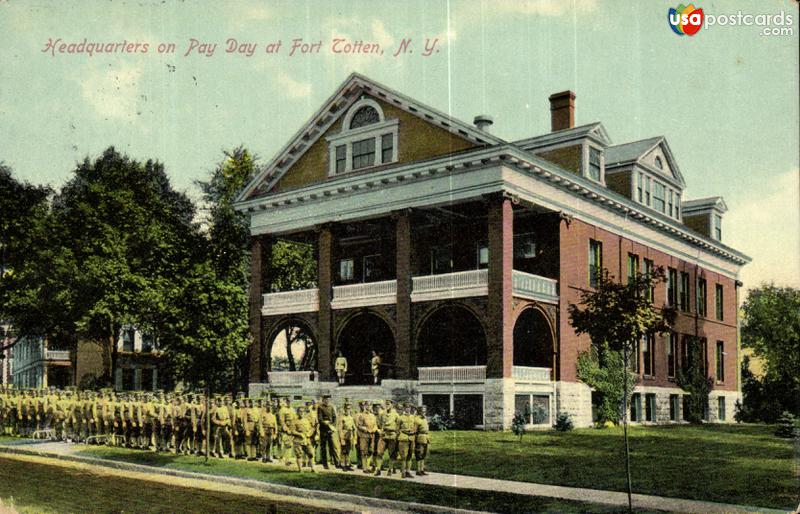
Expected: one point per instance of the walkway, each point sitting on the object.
(640, 501)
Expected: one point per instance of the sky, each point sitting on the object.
(726, 99)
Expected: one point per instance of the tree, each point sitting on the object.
(693, 378)
(608, 379)
(24, 209)
(616, 316)
(771, 327)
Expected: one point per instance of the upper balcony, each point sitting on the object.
(442, 286)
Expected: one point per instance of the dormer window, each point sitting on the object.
(367, 139)
(718, 227)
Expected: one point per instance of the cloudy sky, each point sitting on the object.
(726, 98)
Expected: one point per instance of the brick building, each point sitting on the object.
(454, 255)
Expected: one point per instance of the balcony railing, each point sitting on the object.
(452, 374)
(530, 374)
(56, 355)
(535, 287)
(292, 378)
(450, 285)
(361, 295)
(289, 302)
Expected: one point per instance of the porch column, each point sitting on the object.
(260, 251)
(325, 285)
(403, 249)
(500, 333)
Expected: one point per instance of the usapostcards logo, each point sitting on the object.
(685, 20)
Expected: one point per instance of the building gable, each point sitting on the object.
(417, 139)
(421, 133)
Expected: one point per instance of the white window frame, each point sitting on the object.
(352, 268)
(346, 137)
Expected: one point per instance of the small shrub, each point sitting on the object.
(538, 415)
(518, 424)
(440, 422)
(564, 422)
(788, 426)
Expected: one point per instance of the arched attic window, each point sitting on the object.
(367, 139)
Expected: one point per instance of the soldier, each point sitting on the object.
(302, 432)
(341, 367)
(347, 435)
(232, 407)
(375, 364)
(251, 422)
(191, 421)
(368, 435)
(268, 428)
(286, 418)
(422, 439)
(151, 427)
(387, 423)
(328, 435)
(221, 426)
(405, 439)
(178, 410)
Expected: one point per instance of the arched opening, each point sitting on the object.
(363, 334)
(293, 348)
(533, 341)
(451, 336)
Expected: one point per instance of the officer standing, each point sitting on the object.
(341, 367)
(329, 440)
(422, 439)
(375, 364)
(387, 423)
(405, 440)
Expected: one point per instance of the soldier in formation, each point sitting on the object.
(265, 429)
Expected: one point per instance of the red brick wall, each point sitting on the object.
(574, 241)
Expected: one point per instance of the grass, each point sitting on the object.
(354, 483)
(743, 464)
(43, 489)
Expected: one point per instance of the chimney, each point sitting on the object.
(562, 110)
(483, 122)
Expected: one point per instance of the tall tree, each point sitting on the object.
(616, 317)
(23, 222)
(771, 327)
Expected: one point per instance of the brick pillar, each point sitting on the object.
(325, 285)
(500, 333)
(403, 249)
(260, 250)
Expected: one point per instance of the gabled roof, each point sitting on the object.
(594, 131)
(333, 108)
(704, 204)
(635, 151)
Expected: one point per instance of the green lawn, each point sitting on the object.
(744, 464)
(354, 483)
(43, 489)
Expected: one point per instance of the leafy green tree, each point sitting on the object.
(693, 378)
(23, 214)
(616, 316)
(771, 327)
(604, 370)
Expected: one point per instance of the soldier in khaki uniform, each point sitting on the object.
(387, 424)
(347, 436)
(251, 422)
(286, 418)
(368, 436)
(302, 431)
(268, 429)
(406, 431)
(422, 439)
(221, 426)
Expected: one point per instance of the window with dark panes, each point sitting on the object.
(672, 354)
(701, 297)
(363, 153)
(341, 158)
(387, 147)
(659, 196)
(128, 337)
(633, 267)
(594, 164)
(718, 298)
(718, 227)
(364, 116)
(648, 272)
(684, 291)
(595, 261)
(672, 287)
(649, 355)
(720, 361)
